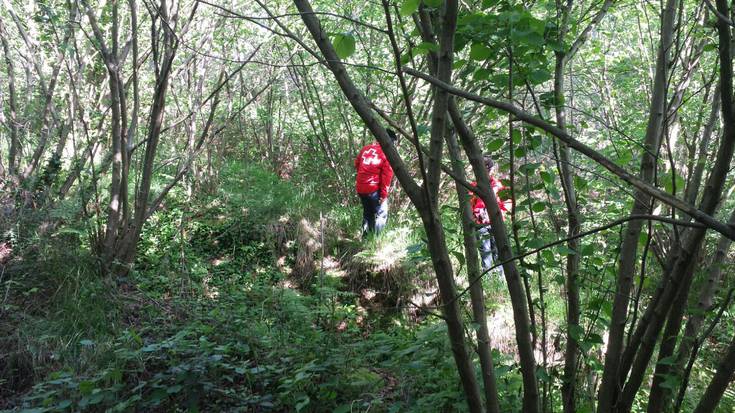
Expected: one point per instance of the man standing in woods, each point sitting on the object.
(487, 247)
(374, 175)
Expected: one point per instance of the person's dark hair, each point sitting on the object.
(393, 135)
(488, 162)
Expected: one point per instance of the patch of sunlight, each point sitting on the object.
(210, 291)
(219, 261)
(387, 250)
(332, 267)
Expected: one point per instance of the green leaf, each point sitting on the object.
(539, 76)
(564, 250)
(556, 46)
(576, 332)
(345, 408)
(667, 361)
(543, 375)
(538, 206)
(479, 51)
(459, 256)
(546, 177)
(427, 46)
(344, 45)
(86, 387)
(495, 145)
(535, 243)
(303, 403)
(587, 250)
(434, 3)
(516, 136)
(409, 7)
(580, 183)
(595, 338)
(669, 185)
(529, 168)
(481, 74)
(625, 158)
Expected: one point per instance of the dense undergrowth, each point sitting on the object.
(210, 321)
(214, 318)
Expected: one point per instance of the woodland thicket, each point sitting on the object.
(179, 228)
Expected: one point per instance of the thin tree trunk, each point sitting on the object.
(512, 276)
(705, 301)
(12, 104)
(474, 274)
(110, 239)
(695, 182)
(571, 351)
(128, 248)
(682, 271)
(607, 394)
(48, 107)
(716, 388)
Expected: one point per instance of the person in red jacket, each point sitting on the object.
(487, 247)
(374, 175)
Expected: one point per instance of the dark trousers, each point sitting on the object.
(374, 213)
(487, 247)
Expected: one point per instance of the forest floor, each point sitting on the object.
(224, 312)
(240, 304)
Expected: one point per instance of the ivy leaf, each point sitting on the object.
(409, 7)
(344, 45)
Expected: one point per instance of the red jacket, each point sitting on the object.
(478, 205)
(373, 171)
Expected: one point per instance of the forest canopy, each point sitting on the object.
(386, 205)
